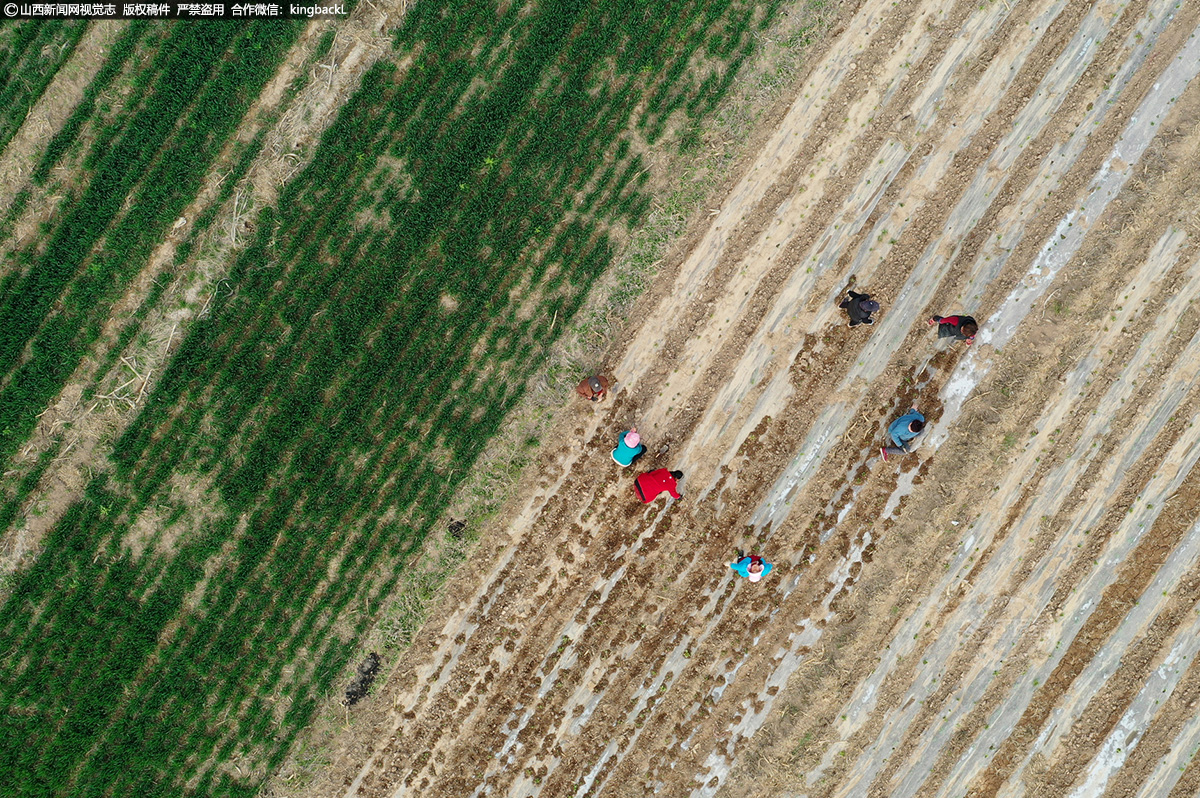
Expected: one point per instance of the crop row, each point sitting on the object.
(383, 321)
(16, 492)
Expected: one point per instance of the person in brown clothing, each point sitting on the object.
(593, 388)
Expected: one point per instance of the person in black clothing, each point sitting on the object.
(860, 307)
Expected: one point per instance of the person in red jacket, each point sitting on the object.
(650, 484)
(960, 328)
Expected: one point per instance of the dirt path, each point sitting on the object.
(1010, 611)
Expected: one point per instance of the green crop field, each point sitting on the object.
(378, 326)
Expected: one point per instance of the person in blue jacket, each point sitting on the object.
(751, 566)
(902, 431)
(629, 448)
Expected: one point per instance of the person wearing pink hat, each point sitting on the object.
(751, 566)
(629, 448)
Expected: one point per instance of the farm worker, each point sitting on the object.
(660, 480)
(903, 430)
(751, 566)
(960, 328)
(860, 307)
(593, 388)
(629, 448)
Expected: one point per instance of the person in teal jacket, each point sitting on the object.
(751, 566)
(629, 448)
(903, 430)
